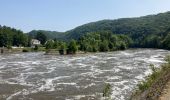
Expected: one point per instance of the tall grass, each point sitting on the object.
(154, 84)
(145, 84)
(107, 92)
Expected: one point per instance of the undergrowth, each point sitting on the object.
(153, 85)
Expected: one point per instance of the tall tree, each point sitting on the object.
(72, 47)
(41, 37)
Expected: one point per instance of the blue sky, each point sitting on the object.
(63, 15)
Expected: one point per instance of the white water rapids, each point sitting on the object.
(35, 76)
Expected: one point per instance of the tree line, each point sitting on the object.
(92, 42)
(99, 41)
(12, 37)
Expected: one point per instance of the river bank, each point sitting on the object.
(166, 92)
(20, 50)
(153, 88)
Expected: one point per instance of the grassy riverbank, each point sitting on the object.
(152, 87)
(19, 50)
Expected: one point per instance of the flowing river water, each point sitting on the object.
(35, 76)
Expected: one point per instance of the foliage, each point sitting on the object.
(104, 41)
(137, 28)
(36, 47)
(147, 32)
(167, 59)
(103, 46)
(49, 34)
(12, 37)
(25, 50)
(150, 31)
(41, 37)
(49, 44)
(61, 45)
(150, 79)
(107, 90)
(166, 42)
(152, 87)
(72, 47)
(92, 42)
(154, 77)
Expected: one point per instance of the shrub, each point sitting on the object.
(49, 44)
(36, 48)
(72, 47)
(61, 52)
(153, 85)
(9, 47)
(144, 85)
(25, 50)
(107, 90)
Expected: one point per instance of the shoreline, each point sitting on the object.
(152, 88)
(29, 50)
(166, 92)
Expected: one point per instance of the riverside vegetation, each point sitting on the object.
(152, 87)
(151, 31)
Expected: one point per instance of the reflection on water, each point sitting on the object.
(35, 76)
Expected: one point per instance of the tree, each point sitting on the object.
(36, 47)
(12, 37)
(72, 47)
(103, 47)
(49, 44)
(122, 46)
(62, 46)
(166, 42)
(41, 37)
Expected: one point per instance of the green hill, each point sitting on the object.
(147, 31)
(152, 24)
(137, 28)
(152, 31)
(49, 34)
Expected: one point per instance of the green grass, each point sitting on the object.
(29, 49)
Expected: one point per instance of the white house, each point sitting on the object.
(35, 42)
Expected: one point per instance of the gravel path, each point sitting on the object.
(166, 93)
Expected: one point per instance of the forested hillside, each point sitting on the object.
(137, 28)
(49, 34)
(146, 31)
(152, 31)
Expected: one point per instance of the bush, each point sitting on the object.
(61, 52)
(36, 48)
(103, 46)
(152, 87)
(72, 47)
(144, 85)
(9, 47)
(167, 59)
(25, 50)
(107, 90)
(49, 44)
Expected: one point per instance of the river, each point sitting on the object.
(35, 76)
